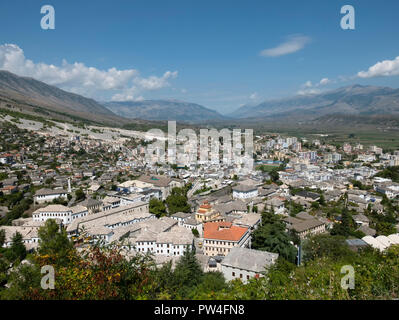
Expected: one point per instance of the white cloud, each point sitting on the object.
(306, 92)
(293, 44)
(78, 78)
(154, 83)
(324, 81)
(254, 96)
(308, 84)
(384, 68)
(309, 88)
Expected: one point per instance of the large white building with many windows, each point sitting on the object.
(56, 211)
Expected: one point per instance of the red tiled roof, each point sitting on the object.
(228, 232)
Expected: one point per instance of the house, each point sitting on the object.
(232, 207)
(206, 213)
(305, 225)
(245, 191)
(307, 195)
(361, 220)
(367, 230)
(181, 217)
(66, 214)
(164, 183)
(110, 202)
(170, 243)
(9, 190)
(6, 158)
(243, 263)
(92, 205)
(276, 205)
(220, 237)
(48, 195)
(249, 220)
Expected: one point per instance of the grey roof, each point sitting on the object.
(367, 230)
(46, 192)
(249, 259)
(90, 202)
(304, 215)
(361, 217)
(244, 188)
(356, 242)
(182, 215)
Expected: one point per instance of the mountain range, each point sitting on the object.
(355, 100)
(352, 104)
(164, 110)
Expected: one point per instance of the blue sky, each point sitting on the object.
(207, 52)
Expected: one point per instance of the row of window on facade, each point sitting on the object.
(219, 242)
(234, 274)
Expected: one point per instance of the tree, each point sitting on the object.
(188, 272)
(271, 236)
(195, 232)
(346, 226)
(325, 245)
(274, 176)
(17, 250)
(80, 195)
(53, 241)
(2, 237)
(177, 201)
(157, 207)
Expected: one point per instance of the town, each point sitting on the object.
(96, 185)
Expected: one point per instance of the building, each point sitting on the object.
(92, 205)
(220, 237)
(245, 191)
(305, 225)
(206, 213)
(56, 211)
(48, 195)
(164, 183)
(170, 243)
(244, 263)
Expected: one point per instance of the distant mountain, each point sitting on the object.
(164, 110)
(356, 100)
(31, 95)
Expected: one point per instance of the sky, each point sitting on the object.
(220, 54)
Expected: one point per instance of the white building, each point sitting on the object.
(243, 263)
(66, 214)
(243, 191)
(48, 195)
(170, 243)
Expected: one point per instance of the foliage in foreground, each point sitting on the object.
(104, 273)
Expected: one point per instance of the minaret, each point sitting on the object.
(69, 185)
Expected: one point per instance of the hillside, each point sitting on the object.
(163, 110)
(356, 100)
(28, 95)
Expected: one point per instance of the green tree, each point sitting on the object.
(157, 207)
(2, 237)
(177, 201)
(188, 273)
(80, 195)
(271, 236)
(195, 232)
(53, 241)
(325, 245)
(17, 249)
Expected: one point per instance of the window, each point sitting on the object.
(240, 275)
(233, 274)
